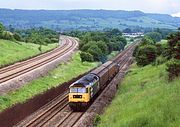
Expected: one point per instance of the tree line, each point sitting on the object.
(149, 51)
(41, 36)
(96, 45)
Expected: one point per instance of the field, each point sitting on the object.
(11, 52)
(61, 74)
(144, 99)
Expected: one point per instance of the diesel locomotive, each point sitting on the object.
(85, 89)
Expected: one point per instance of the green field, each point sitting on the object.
(145, 99)
(11, 52)
(58, 76)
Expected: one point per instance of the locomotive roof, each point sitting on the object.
(86, 80)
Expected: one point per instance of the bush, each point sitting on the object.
(17, 37)
(173, 68)
(174, 45)
(86, 57)
(131, 40)
(47, 41)
(7, 35)
(160, 49)
(97, 120)
(54, 40)
(1, 29)
(160, 60)
(146, 55)
(135, 51)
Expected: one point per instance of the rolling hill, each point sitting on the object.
(63, 20)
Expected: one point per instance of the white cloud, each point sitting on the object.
(176, 14)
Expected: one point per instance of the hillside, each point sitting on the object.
(144, 99)
(86, 19)
(11, 51)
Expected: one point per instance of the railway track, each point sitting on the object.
(57, 113)
(21, 68)
(71, 119)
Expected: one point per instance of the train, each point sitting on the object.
(82, 92)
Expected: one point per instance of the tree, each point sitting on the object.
(127, 30)
(174, 46)
(53, 40)
(95, 52)
(155, 36)
(147, 40)
(173, 68)
(103, 46)
(11, 29)
(1, 29)
(7, 35)
(113, 32)
(37, 39)
(86, 57)
(145, 55)
(17, 36)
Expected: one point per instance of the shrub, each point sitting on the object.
(7, 35)
(160, 49)
(47, 41)
(86, 57)
(1, 29)
(54, 40)
(173, 68)
(174, 46)
(97, 120)
(135, 51)
(17, 37)
(160, 60)
(131, 40)
(146, 55)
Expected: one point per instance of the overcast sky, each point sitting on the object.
(152, 6)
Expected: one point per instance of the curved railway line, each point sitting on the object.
(57, 113)
(21, 68)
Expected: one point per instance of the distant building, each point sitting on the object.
(133, 35)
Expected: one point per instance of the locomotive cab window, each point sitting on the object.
(78, 90)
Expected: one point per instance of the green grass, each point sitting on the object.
(11, 52)
(61, 74)
(145, 99)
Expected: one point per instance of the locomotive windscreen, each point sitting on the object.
(77, 90)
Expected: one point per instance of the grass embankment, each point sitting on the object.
(61, 74)
(11, 52)
(145, 99)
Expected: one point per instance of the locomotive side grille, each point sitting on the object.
(77, 96)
